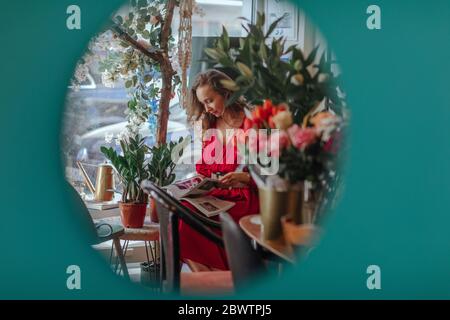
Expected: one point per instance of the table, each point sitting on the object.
(251, 225)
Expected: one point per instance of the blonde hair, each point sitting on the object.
(196, 111)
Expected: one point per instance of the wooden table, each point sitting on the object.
(251, 225)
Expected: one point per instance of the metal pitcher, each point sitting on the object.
(104, 184)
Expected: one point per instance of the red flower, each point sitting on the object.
(248, 124)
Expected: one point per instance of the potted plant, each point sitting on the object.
(137, 163)
(132, 169)
(161, 166)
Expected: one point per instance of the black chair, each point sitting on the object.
(170, 212)
(98, 232)
(244, 261)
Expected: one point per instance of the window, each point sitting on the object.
(95, 113)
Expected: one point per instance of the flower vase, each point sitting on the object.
(273, 206)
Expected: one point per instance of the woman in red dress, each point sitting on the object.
(208, 98)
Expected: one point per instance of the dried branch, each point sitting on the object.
(167, 73)
(153, 53)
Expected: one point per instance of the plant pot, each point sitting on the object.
(133, 214)
(153, 212)
(298, 234)
(273, 206)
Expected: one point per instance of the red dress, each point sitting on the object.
(194, 246)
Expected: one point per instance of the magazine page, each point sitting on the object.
(209, 205)
(197, 185)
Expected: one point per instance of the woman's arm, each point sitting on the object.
(236, 179)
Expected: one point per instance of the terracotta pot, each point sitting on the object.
(153, 212)
(298, 234)
(132, 214)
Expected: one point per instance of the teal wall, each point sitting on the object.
(396, 208)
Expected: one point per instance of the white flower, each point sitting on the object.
(297, 79)
(81, 72)
(109, 137)
(323, 77)
(312, 70)
(108, 79)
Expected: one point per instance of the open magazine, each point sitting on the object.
(193, 190)
(209, 205)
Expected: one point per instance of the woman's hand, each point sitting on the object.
(234, 179)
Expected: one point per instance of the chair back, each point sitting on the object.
(170, 211)
(244, 261)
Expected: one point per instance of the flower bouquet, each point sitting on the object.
(295, 163)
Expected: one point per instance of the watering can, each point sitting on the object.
(104, 182)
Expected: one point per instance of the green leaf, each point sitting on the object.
(263, 51)
(234, 97)
(147, 78)
(312, 56)
(273, 25)
(124, 44)
(225, 39)
(146, 34)
(261, 17)
(128, 84)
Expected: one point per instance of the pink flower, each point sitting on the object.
(302, 137)
(258, 142)
(279, 140)
(262, 140)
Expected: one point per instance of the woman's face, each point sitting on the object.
(212, 101)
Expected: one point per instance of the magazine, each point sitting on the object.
(98, 205)
(209, 205)
(193, 190)
(194, 186)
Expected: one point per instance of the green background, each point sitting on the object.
(395, 212)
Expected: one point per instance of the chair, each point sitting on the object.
(99, 232)
(245, 262)
(170, 211)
